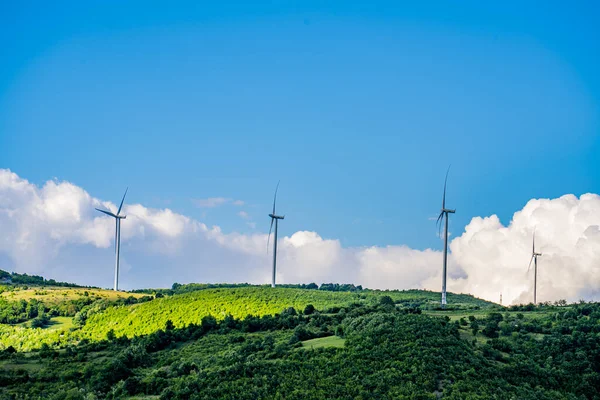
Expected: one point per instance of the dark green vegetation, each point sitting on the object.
(248, 342)
(24, 279)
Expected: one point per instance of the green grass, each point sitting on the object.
(59, 324)
(55, 295)
(30, 364)
(467, 334)
(329, 341)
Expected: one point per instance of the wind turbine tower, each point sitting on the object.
(444, 216)
(534, 257)
(274, 218)
(118, 217)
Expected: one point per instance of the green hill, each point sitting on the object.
(297, 342)
(188, 308)
(358, 346)
(97, 314)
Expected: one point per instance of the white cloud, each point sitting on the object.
(54, 230)
(495, 257)
(212, 202)
(243, 214)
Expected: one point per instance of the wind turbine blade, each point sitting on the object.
(439, 223)
(269, 237)
(274, 200)
(533, 248)
(445, 181)
(107, 212)
(121, 206)
(530, 261)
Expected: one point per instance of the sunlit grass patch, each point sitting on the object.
(329, 341)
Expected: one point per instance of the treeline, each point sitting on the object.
(178, 288)
(33, 280)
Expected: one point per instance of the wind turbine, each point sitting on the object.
(534, 257)
(118, 217)
(276, 218)
(444, 216)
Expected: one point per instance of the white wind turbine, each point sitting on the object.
(444, 216)
(534, 257)
(118, 217)
(276, 218)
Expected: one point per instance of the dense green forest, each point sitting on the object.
(254, 342)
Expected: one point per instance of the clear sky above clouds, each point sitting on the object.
(358, 107)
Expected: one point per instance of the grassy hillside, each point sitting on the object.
(368, 350)
(58, 294)
(102, 315)
(249, 342)
(188, 308)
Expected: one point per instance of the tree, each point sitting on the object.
(474, 327)
(208, 323)
(309, 309)
(386, 300)
(169, 325)
(491, 329)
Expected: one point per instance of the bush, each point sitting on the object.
(301, 333)
(386, 300)
(474, 327)
(309, 309)
(491, 329)
(169, 325)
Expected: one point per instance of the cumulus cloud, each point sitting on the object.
(54, 230)
(494, 257)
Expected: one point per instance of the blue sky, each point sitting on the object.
(358, 107)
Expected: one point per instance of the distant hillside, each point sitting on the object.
(96, 313)
(24, 279)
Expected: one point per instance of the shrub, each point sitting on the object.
(386, 300)
(309, 309)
